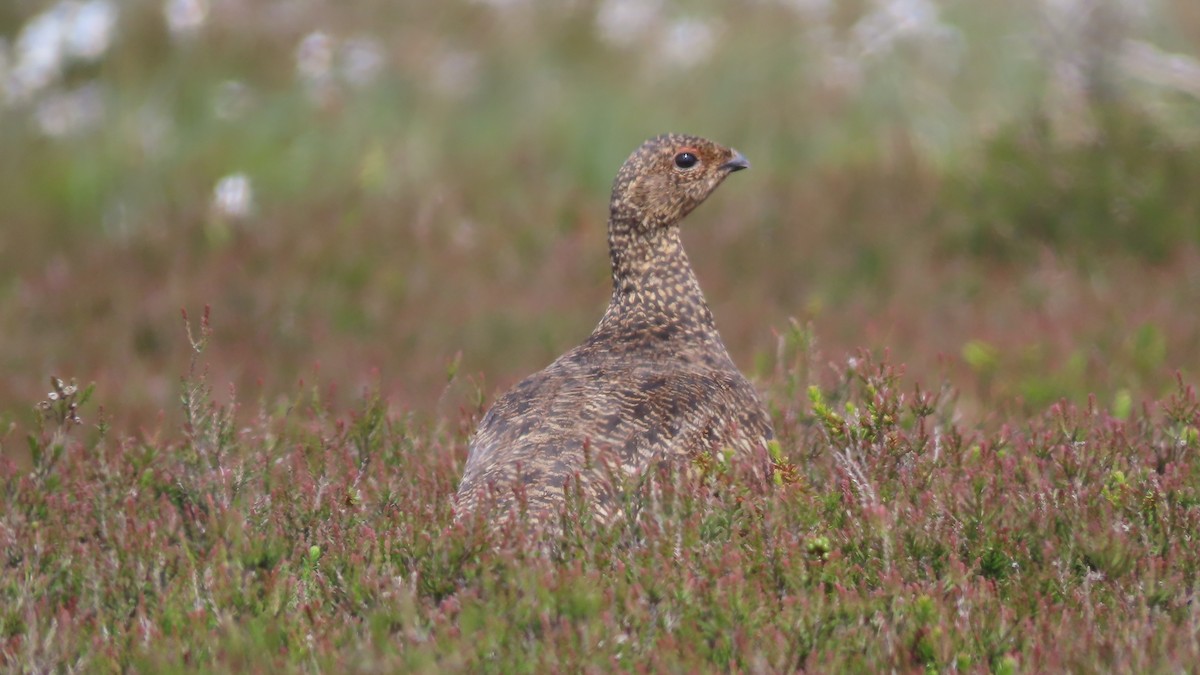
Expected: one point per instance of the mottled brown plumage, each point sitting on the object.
(653, 382)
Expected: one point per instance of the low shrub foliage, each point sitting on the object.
(895, 536)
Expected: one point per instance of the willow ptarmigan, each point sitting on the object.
(653, 381)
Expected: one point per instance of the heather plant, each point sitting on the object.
(902, 538)
(58, 414)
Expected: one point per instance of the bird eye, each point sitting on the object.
(686, 160)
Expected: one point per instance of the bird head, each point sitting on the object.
(668, 176)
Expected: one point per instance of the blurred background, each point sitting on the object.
(1004, 196)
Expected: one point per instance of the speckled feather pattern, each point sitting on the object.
(653, 382)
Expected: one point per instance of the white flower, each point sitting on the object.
(361, 60)
(233, 196)
(68, 30)
(688, 42)
(895, 20)
(185, 16)
(90, 28)
(622, 22)
(37, 55)
(314, 57)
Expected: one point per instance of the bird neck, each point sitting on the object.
(653, 283)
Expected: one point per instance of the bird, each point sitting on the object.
(652, 383)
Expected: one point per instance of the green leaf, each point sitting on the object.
(981, 356)
(35, 449)
(86, 394)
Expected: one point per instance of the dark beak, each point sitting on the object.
(736, 163)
